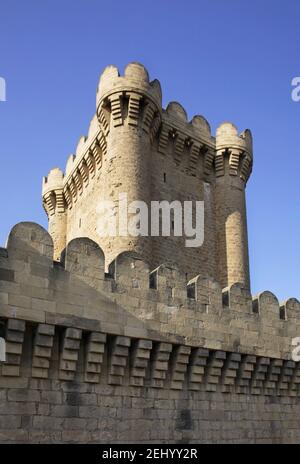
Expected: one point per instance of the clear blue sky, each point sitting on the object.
(228, 60)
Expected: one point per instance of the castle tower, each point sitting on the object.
(55, 207)
(129, 115)
(233, 162)
(137, 151)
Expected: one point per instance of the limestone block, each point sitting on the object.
(267, 306)
(230, 371)
(15, 331)
(178, 366)
(118, 360)
(208, 293)
(259, 375)
(245, 372)
(29, 241)
(170, 282)
(140, 359)
(213, 370)
(196, 368)
(130, 272)
(286, 376)
(295, 381)
(84, 259)
(69, 353)
(272, 376)
(42, 350)
(159, 364)
(237, 298)
(94, 356)
(290, 310)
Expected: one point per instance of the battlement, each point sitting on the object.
(80, 169)
(136, 78)
(239, 150)
(133, 307)
(138, 355)
(133, 98)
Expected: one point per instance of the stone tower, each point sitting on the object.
(233, 161)
(137, 148)
(169, 345)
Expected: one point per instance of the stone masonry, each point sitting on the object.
(135, 146)
(142, 340)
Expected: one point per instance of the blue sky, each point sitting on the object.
(228, 60)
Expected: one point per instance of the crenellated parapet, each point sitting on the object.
(134, 100)
(233, 152)
(130, 99)
(53, 192)
(137, 327)
(81, 169)
(61, 190)
(135, 147)
(181, 138)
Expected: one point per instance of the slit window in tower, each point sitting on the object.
(153, 280)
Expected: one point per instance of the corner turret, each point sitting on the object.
(233, 165)
(55, 207)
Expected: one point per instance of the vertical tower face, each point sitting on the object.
(129, 114)
(55, 207)
(233, 163)
(135, 151)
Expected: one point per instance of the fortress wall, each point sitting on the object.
(181, 185)
(131, 144)
(54, 411)
(123, 358)
(111, 179)
(82, 218)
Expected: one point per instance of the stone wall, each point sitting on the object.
(138, 356)
(52, 411)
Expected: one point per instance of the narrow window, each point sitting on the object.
(191, 291)
(165, 177)
(153, 280)
(2, 343)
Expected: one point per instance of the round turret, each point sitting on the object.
(129, 115)
(54, 181)
(233, 164)
(55, 207)
(136, 78)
